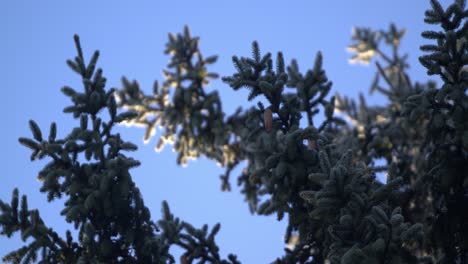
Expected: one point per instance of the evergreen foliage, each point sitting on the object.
(322, 175)
(102, 201)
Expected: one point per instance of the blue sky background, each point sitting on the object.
(36, 39)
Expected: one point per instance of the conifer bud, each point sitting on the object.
(311, 144)
(268, 119)
(183, 259)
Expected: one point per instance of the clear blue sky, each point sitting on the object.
(37, 39)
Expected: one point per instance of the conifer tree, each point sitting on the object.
(88, 168)
(320, 176)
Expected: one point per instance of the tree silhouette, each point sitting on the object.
(320, 173)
